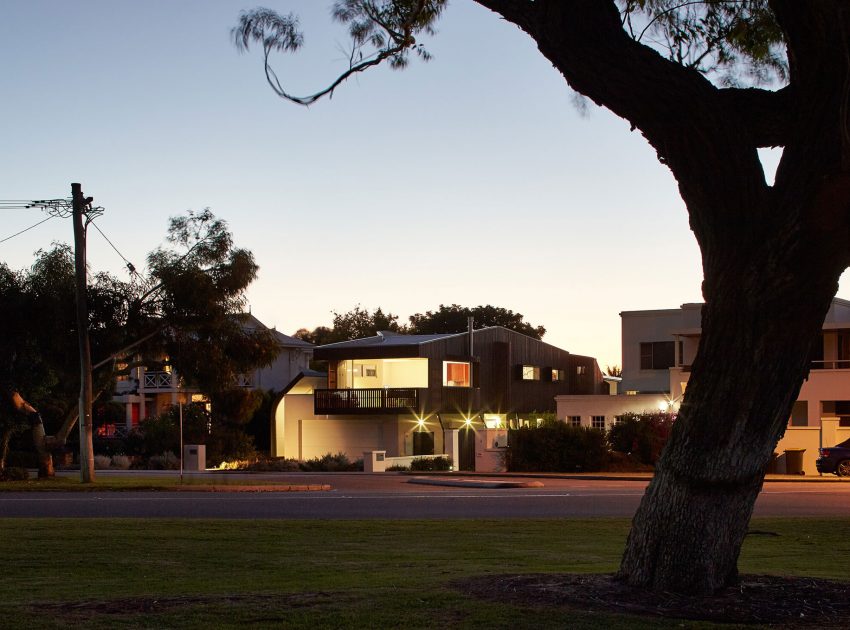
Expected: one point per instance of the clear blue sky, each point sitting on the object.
(472, 179)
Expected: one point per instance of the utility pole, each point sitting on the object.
(78, 205)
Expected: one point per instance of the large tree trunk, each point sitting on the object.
(772, 255)
(688, 531)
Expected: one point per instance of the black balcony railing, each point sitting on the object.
(372, 400)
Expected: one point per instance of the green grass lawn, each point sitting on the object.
(115, 573)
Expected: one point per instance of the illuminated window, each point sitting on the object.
(123, 370)
(493, 421)
(557, 375)
(581, 370)
(597, 422)
(574, 421)
(530, 373)
(456, 374)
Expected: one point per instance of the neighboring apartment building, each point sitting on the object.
(147, 392)
(658, 349)
(403, 393)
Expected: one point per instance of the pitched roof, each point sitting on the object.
(250, 322)
(385, 340)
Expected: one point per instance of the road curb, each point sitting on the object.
(473, 483)
(268, 488)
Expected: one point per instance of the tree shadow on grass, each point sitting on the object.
(758, 599)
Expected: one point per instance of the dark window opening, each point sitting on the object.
(657, 355)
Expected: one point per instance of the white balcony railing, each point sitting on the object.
(158, 380)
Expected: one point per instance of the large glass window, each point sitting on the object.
(456, 374)
(386, 373)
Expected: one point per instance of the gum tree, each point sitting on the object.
(187, 308)
(687, 76)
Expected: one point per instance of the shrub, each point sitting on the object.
(22, 459)
(331, 463)
(166, 461)
(643, 435)
(121, 462)
(102, 462)
(397, 468)
(14, 473)
(556, 447)
(431, 463)
(274, 464)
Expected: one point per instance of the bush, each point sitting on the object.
(273, 464)
(556, 447)
(643, 435)
(121, 462)
(431, 463)
(166, 461)
(331, 463)
(14, 473)
(102, 462)
(397, 468)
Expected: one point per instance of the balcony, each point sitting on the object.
(379, 400)
(158, 380)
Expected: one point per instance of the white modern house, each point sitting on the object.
(658, 349)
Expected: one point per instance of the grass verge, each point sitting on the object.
(95, 573)
(119, 484)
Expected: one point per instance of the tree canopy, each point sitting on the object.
(453, 319)
(186, 311)
(359, 322)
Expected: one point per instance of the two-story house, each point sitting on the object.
(145, 391)
(401, 393)
(658, 349)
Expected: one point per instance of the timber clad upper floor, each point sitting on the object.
(497, 371)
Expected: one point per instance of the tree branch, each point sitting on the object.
(765, 113)
(128, 347)
(684, 117)
(520, 12)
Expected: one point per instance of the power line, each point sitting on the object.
(26, 230)
(55, 207)
(130, 265)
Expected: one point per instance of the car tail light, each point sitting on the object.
(824, 452)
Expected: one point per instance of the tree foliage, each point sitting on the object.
(380, 31)
(186, 312)
(360, 322)
(353, 324)
(731, 41)
(454, 318)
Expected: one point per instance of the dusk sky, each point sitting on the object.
(471, 179)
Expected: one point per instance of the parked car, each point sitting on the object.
(835, 459)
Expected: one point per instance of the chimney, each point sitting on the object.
(469, 331)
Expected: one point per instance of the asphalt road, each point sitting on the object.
(391, 497)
